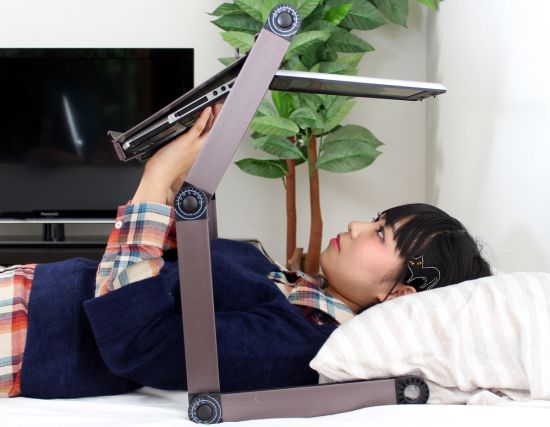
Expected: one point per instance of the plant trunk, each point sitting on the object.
(290, 210)
(311, 263)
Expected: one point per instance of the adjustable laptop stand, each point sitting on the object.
(196, 225)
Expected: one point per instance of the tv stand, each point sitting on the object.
(28, 252)
(53, 245)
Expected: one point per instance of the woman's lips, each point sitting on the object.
(336, 242)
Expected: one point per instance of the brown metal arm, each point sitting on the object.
(196, 224)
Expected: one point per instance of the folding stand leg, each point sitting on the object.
(193, 201)
(326, 399)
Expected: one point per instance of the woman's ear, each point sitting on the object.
(400, 290)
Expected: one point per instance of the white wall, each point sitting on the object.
(249, 206)
(489, 150)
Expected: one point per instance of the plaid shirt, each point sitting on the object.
(141, 233)
(309, 292)
(15, 287)
(134, 250)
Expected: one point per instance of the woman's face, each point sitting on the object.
(362, 265)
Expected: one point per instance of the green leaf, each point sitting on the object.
(394, 10)
(267, 6)
(345, 64)
(278, 146)
(350, 133)
(352, 59)
(348, 42)
(322, 25)
(274, 125)
(347, 156)
(309, 58)
(226, 8)
(228, 60)
(263, 168)
(333, 67)
(336, 14)
(337, 108)
(266, 108)
(306, 118)
(305, 7)
(432, 4)
(238, 22)
(252, 8)
(295, 64)
(239, 40)
(256, 135)
(362, 16)
(336, 114)
(312, 100)
(306, 41)
(326, 53)
(284, 102)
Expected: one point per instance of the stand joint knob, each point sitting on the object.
(205, 408)
(411, 390)
(191, 203)
(284, 20)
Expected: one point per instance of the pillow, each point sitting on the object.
(481, 341)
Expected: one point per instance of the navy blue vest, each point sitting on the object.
(79, 346)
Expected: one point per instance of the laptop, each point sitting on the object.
(143, 140)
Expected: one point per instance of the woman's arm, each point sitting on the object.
(145, 227)
(166, 171)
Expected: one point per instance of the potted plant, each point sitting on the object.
(301, 128)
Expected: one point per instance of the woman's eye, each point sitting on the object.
(380, 233)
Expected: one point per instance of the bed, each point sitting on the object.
(149, 407)
(482, 346)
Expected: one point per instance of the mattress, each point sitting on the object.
(149, 407)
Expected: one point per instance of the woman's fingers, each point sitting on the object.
(217, 109)
(202, 121)
(210, 122)
(203, 125)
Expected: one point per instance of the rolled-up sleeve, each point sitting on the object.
(142, 231)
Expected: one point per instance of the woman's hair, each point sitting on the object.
(437, 249)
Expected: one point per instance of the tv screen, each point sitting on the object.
(56, 106)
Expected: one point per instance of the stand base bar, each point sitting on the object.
(309, 401)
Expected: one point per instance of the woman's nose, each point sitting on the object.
(355, 228)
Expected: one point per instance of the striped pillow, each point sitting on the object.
(482, 341)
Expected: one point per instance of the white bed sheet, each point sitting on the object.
(149, 407)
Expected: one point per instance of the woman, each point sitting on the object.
(73, 328)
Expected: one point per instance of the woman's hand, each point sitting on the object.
(167, 169)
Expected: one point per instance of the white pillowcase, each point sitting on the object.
(486, 341)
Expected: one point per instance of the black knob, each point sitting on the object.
(411, 390)
(205, 408)
(205, 412)
(284, 20)
(189, 203)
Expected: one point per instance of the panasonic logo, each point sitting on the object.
(49, 213)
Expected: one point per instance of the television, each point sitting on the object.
(56, 106)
